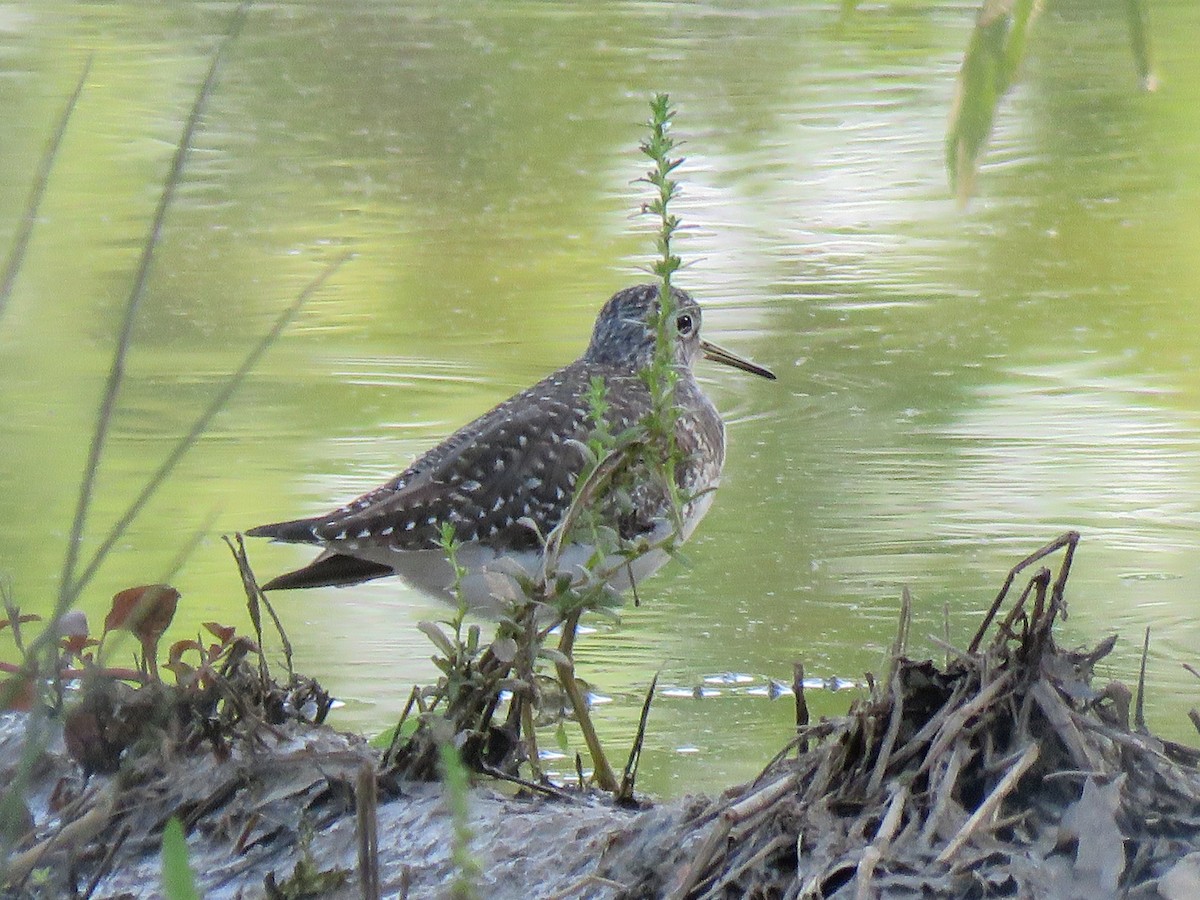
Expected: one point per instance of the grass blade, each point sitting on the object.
(25, 230)
(116, 374)
(186, 442)
(629, 778)
(178, 880)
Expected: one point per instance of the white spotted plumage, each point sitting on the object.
(504, 481)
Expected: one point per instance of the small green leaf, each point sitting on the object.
(439, 638)
(384, 739)
(504, 649)
(989, 66)
(178, 881)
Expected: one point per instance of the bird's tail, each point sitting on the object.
(329, 570)
(297, 531)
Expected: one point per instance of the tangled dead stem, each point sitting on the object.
(1005, 773)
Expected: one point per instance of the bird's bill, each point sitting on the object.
(721, 355)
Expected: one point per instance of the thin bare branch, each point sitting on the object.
(366, 801)
(991, 804)
(1069, 540)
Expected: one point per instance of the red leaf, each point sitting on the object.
(175, 655)
(223, 633)
(75, 644)
(146, 611)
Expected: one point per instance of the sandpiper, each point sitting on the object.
(505, 481)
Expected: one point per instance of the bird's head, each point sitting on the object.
(625, 334)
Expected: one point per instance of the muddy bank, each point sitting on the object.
(1006, 772)
(253, 817)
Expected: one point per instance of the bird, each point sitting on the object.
(501, 484)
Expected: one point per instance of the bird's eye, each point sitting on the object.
(684, 324)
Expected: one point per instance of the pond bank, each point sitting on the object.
(1005, 772)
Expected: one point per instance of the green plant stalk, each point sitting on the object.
(605, 776)
(659, 450)
(662, 376)
(529, 727)
(1138, 16)
(467, 869)
(989, 67)
(187, 441)
(614, 461)
(449, 545)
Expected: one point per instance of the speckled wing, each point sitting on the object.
(514, 462)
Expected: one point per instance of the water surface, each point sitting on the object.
(956, 387)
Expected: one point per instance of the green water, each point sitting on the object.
(956, 387)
